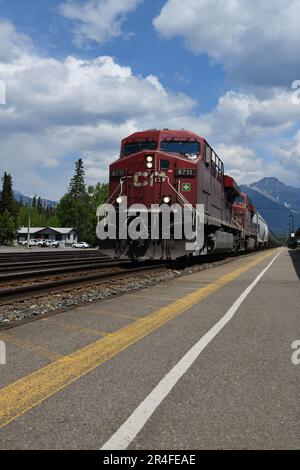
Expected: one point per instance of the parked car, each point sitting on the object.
(44, 243)
(48, 243)
(32, 242)
(80, 245)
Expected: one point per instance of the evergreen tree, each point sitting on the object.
(98, 195)
(40, 204)
(77, 184)
(7, 201)
(77, 208)
(72, 210)
(7, 228)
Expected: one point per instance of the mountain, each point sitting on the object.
(28, 200)
(276, 202)
(279, 192)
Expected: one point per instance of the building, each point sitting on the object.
(65, 235)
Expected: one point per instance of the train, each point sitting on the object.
(160, 169)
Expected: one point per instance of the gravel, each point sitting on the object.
(47, 304)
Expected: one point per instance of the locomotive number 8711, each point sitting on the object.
(176, 168)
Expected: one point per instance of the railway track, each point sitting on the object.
(30, 298)
(46, 254)
(29, 279)
(33, 268)
(64, 280)
(28, 275)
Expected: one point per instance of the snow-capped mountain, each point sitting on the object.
(279, 192)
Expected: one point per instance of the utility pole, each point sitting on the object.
(291, 221)
(288, 236)
(29, 222)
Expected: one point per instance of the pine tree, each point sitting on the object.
(7, 201)
(40, 204)
(72, 208)
(77, 184)
(7, 228)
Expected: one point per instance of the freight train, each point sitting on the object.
(176, 168)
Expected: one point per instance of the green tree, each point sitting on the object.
(53, 221)
(77, 208)
(7, 228)
(72, 210)
(77, 184)
(74, 213)
(7, 201)
(37, 219)
(39, 204)
(98, 195)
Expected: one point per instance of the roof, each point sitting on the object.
(61, 230)
(32, 229)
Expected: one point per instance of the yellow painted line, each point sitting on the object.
(31, 390)
(28, 346)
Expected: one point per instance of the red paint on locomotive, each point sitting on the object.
(180, 165)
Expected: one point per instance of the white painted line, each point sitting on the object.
(122, 438)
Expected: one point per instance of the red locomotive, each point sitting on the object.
(167, 167)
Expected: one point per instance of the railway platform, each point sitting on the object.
(203, 361)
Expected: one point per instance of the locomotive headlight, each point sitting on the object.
(167, 199)
(149, 161)
(119, 200)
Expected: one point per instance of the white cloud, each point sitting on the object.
(289, 154)
(240, 117)
(58, 110)
(257, 41)
(250, 135)
(97, 20)
(238, 157)
(12, 43)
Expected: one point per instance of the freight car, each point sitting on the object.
(176, 168)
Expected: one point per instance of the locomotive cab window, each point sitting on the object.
(134, 147)
(189, 148)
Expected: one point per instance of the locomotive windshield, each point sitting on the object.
(185, 147)
(134, 147)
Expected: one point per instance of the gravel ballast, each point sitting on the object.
(39, 306)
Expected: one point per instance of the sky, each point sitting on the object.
(78, 76)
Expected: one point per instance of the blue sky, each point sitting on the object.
(144, 51)
(80, 75)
